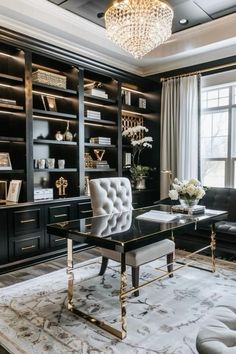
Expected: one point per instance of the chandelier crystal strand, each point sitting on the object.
(138, 26)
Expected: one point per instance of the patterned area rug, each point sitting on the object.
(164, 319)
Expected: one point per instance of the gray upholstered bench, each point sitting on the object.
(218, 333)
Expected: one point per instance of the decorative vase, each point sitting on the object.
(141, 183)
(68, 136)
(59, 136)
(188, 203)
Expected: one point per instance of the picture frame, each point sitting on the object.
(14, 191)
(5, 161)
(49, 103)
(3, 191)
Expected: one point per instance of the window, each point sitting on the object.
(218, 135)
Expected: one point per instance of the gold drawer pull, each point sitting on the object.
(27, 221)
(60, 239)
(27, 248)
(60, 215)
(86, 211)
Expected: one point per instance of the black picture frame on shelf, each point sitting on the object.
(5, 161)
(3, 191)
(49, 103)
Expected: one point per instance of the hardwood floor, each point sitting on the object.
(3, 351)
(43, 268)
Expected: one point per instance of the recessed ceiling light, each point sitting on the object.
(100, 15)
(183, 21)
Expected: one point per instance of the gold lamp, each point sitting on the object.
(138, 26)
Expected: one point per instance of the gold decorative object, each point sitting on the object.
(86, 186)
(88, 160)
(129, 121)
(61, 185)
(99, 153)
(138, 26)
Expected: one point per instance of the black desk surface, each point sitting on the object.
(124, 231)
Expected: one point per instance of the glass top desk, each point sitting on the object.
(124, 232)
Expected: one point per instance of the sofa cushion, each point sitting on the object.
(226, 227)
(221, 199)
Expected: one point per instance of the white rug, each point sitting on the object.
(164, 319)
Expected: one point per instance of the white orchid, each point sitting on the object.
(131, 132)
(139, 144)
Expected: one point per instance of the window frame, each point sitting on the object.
(229, 159)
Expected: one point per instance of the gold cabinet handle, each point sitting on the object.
(60, 215)
(86, 211)
(27, 221)
(27, 248)
(60, 239)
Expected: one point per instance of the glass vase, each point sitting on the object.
(141, 183)
(188, 203)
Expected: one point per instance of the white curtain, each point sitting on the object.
(179, 130)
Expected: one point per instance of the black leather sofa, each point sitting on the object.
(219, 199)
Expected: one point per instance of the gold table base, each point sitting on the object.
(122, 333)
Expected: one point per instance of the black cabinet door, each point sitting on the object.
(22, 221)
(84, 210)
(26, 232)
(3, 238)
(57, 213)
(27, 246)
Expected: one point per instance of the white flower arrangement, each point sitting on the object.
(187, 190)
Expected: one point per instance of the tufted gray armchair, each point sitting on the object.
(114, 195)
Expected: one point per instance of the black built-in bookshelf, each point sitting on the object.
(35, 116)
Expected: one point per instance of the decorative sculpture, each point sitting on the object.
(61, 185)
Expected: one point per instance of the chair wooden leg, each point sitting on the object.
(135, 279)
(103, 266)
(170, 258)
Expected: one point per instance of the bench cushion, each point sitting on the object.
(218, 333)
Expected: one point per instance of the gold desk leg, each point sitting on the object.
(70, 274)
(213, 247)
(123, 302)
(121, 334)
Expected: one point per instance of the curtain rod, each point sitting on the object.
(199, 71)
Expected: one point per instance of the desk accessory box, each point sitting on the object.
(48, 78)
(43, 194)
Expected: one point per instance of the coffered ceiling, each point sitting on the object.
(73, 24)
(194, 11)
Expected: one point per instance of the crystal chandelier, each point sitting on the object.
(138, 26)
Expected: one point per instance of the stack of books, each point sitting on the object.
(100, 140)
(100, 164)
(5, 102)
(197, 209)
(126, 97)
(97, 92)
(93, 114)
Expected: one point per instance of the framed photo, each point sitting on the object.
(3, 191)
(5, 162)
(14, 191)
(49, 103)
